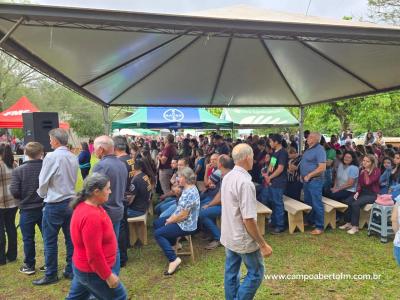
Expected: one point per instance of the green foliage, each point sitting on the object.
(216, 111)
(387, 11)
(18, 132)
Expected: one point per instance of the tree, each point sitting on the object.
(386, 11)
(13, 75)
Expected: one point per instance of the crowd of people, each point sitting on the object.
(194, 182)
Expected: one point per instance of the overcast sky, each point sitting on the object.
(324, 8)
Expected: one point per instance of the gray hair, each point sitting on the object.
(95, 181)
(241, 151)
(120, 142)
(226, 162)
(105, 141)
(317, 135)
(188, 174)
(60, 135)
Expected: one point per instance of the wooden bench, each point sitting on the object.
(295, 210)
(364, 215)
(330, 208)
(263, 212)
(138, 229)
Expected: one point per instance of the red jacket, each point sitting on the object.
(93, 237)
(372, 182)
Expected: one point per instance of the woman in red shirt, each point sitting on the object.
(95, 244)
(367, 191)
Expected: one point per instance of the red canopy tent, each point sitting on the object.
(12, 116)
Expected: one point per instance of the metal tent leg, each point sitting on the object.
(8, 34)
(301, 129)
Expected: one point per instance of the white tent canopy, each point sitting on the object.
(238, 56)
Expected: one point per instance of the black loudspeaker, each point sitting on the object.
(37, 126)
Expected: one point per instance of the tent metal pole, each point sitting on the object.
(106, 117)
(301, 129)
(9, 33)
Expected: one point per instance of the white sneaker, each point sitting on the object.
(353, 230)
(346, 226)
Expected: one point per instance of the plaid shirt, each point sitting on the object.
(6, 199)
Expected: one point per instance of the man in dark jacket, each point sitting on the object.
(111, 166)
(24, 183)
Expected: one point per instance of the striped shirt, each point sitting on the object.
(6, 199)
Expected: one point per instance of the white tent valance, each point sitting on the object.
(238, 56)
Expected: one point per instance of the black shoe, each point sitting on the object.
(42, 269)
(68, 275)
(25, 269)
(277, 231)
(46, 280)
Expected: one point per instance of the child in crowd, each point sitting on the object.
(24, 183)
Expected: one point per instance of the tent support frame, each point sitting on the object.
(106, 117)
(12, 29)
(301, 129)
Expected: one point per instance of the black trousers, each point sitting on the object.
(352, 213)
(123, 239)
(85, 172)
(293, 189)
(7, 225)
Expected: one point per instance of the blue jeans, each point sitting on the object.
(207, 219)
(56, 216)
(134, 213)
(84, 284)
(166, 236)
(160, 207)
(255, 273)
(117, 265)
(265, 196)
(28, 219)
(169, 211)
(396, 252)
(313, 198)
(205, 201)
(278, 209)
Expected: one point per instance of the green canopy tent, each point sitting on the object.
(251, 117)
(171, 118)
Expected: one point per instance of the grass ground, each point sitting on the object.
(333, 252)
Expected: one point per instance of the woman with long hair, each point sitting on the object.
(84, 160)
(154, 151)
(95, 243)
(346, 177)
(149, 161)
(366, 193)
(8, 207)
(369, 139)
(395, 172)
